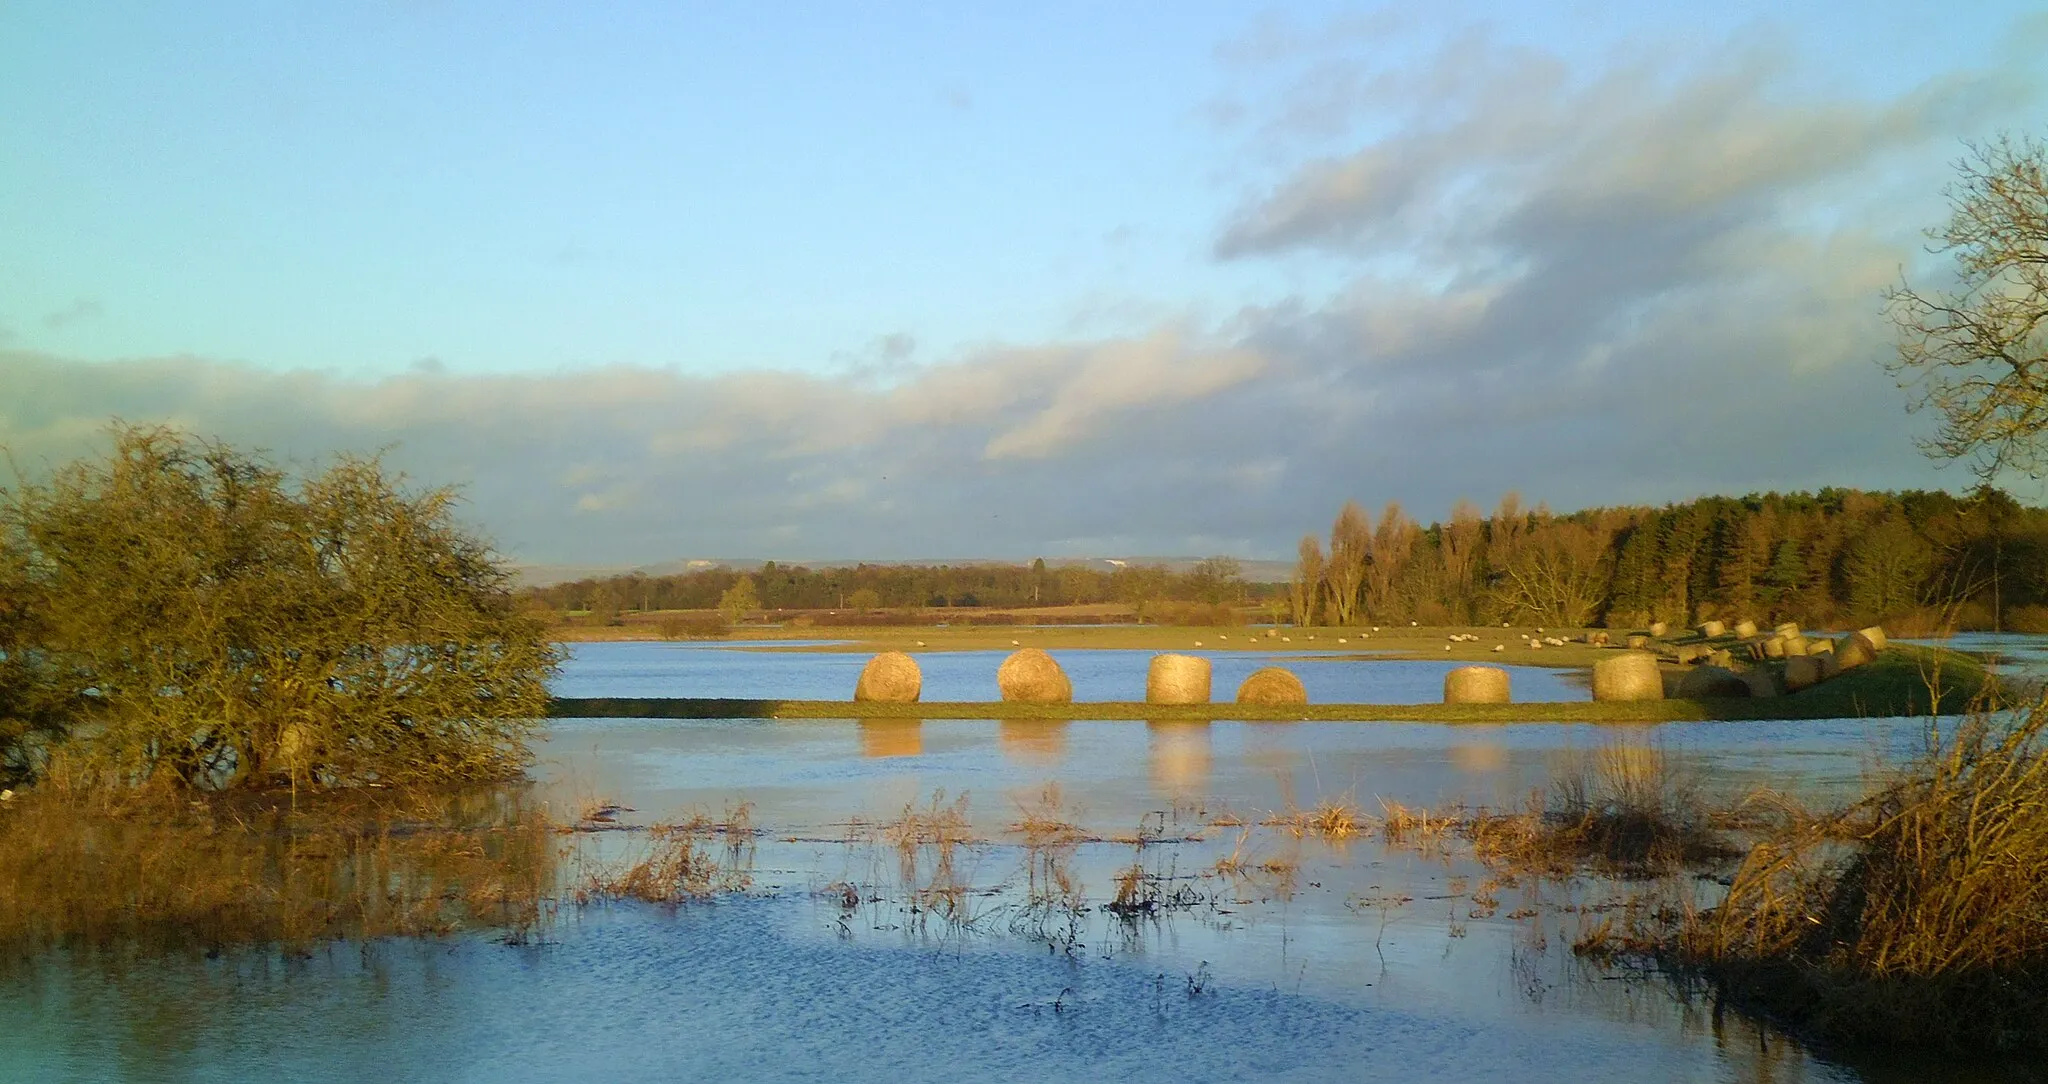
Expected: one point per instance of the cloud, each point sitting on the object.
(1634, 283)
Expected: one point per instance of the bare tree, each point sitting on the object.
(1557, 576)
(1308, 580)
(1978, 354)
(1350, 548)
(1393, 543)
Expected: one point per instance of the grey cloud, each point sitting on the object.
(628, 464)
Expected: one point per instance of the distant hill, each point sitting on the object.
(544, 575)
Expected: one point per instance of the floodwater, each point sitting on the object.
(780, 670)
(1270, 956)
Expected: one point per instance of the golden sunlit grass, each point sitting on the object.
(1917, 915)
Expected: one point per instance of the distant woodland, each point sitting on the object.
(1918, 561)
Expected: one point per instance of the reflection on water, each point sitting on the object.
(1032, 741)
(891, 737)
(1479, 757)
(1180, 756)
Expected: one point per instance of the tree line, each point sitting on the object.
(870, 587)
(1916, 560)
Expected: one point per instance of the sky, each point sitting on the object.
(835, 281)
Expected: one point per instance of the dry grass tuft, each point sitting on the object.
(1417, 826)
(928, 842)
(691, 860)
(1626, 810)
(1929, 925)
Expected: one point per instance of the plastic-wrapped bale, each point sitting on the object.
(890, 678)
(1477, 685)
(1631, 675)
(1711, 629)
(1638, 642)
(1031, 676)
(1272, 685)
(1711, 682)
(1829, 665)
(1801, 672)
(1659, 628)
(1789, 628)
(1745, 628)
(1774, 647)
(1177, 679)
(1762, 682)
(1795, 645)
(1853, 650)
(1874, 634)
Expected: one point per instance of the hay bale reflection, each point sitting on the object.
(1180, 756)
(891, 737)
(1033, 741)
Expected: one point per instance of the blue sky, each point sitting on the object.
(851, 280)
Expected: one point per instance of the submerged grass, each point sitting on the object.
(693, 859)
(166, 870)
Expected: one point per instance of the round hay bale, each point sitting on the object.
(1853, 650)
(890, 678)
(1745, 628)
(1795, 645)
(1658, 629)
(1712, 682)
(1177, 679)
(1631, 675)
(1272, 685)
(1874, 634)
(1789, 628)
(1774, 647)
(1801, 672)
(1031, 676)
(1711, 629)
(1477, 685)
(1820, 645)
(1723, 658)
(1638, 642)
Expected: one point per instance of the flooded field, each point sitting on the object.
(999, 900)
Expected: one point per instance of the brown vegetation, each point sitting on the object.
(1918, 915)
(161, 870)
